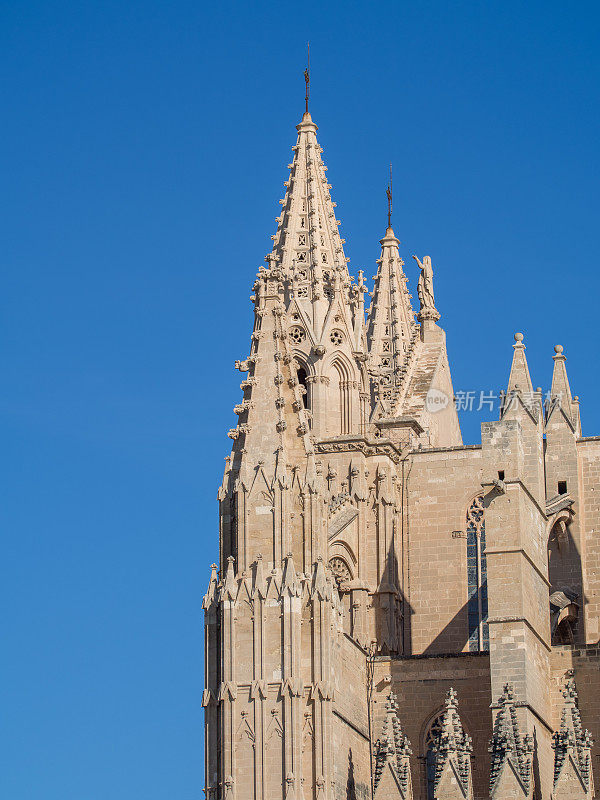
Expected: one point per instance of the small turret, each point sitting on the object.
(391, 328)
(519, 391)
(560, 397)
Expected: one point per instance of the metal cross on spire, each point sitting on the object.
(388, 192)
(307, 78)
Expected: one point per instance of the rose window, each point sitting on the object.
(297, 334)
(336, 338)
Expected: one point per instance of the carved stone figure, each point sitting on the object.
(425, 285)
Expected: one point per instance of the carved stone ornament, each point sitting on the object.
(341, 572)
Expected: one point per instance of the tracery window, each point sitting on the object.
(341, 572)
(431, 736)
(297, 334)
(477, 606)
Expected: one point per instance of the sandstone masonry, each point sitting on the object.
(395, 614)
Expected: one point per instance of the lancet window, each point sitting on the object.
(431, 735)
(564, 574)
(303, 381)
(477, 606)
(340, 397)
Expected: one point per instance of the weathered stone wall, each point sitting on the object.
(440, 484)
(589, 471)
(352, 771)
(420, 684)
(351, 752)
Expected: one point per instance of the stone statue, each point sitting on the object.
(425, 285)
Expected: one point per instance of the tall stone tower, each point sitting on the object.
(373, 568)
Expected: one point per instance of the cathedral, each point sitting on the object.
(395, 615)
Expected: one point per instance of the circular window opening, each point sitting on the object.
(297, 334)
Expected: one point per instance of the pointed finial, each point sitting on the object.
(388, 192)
(451, 698)
(307, 78)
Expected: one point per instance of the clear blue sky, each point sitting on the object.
(143, 151)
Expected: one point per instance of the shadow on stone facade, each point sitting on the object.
(350, 784)
(453, 637)
(390, 607)
(566, 586)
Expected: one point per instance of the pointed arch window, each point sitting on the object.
(303, 381)
(431, 736)
(564, 574)
(340, 397)
(477, 606)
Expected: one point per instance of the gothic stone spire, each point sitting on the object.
(560, 392)
(392, 777)
(511, 753)
(519, 391)
(573, 778)
(391, 328)
(410, 381)
(453, 756)
(307, 246)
